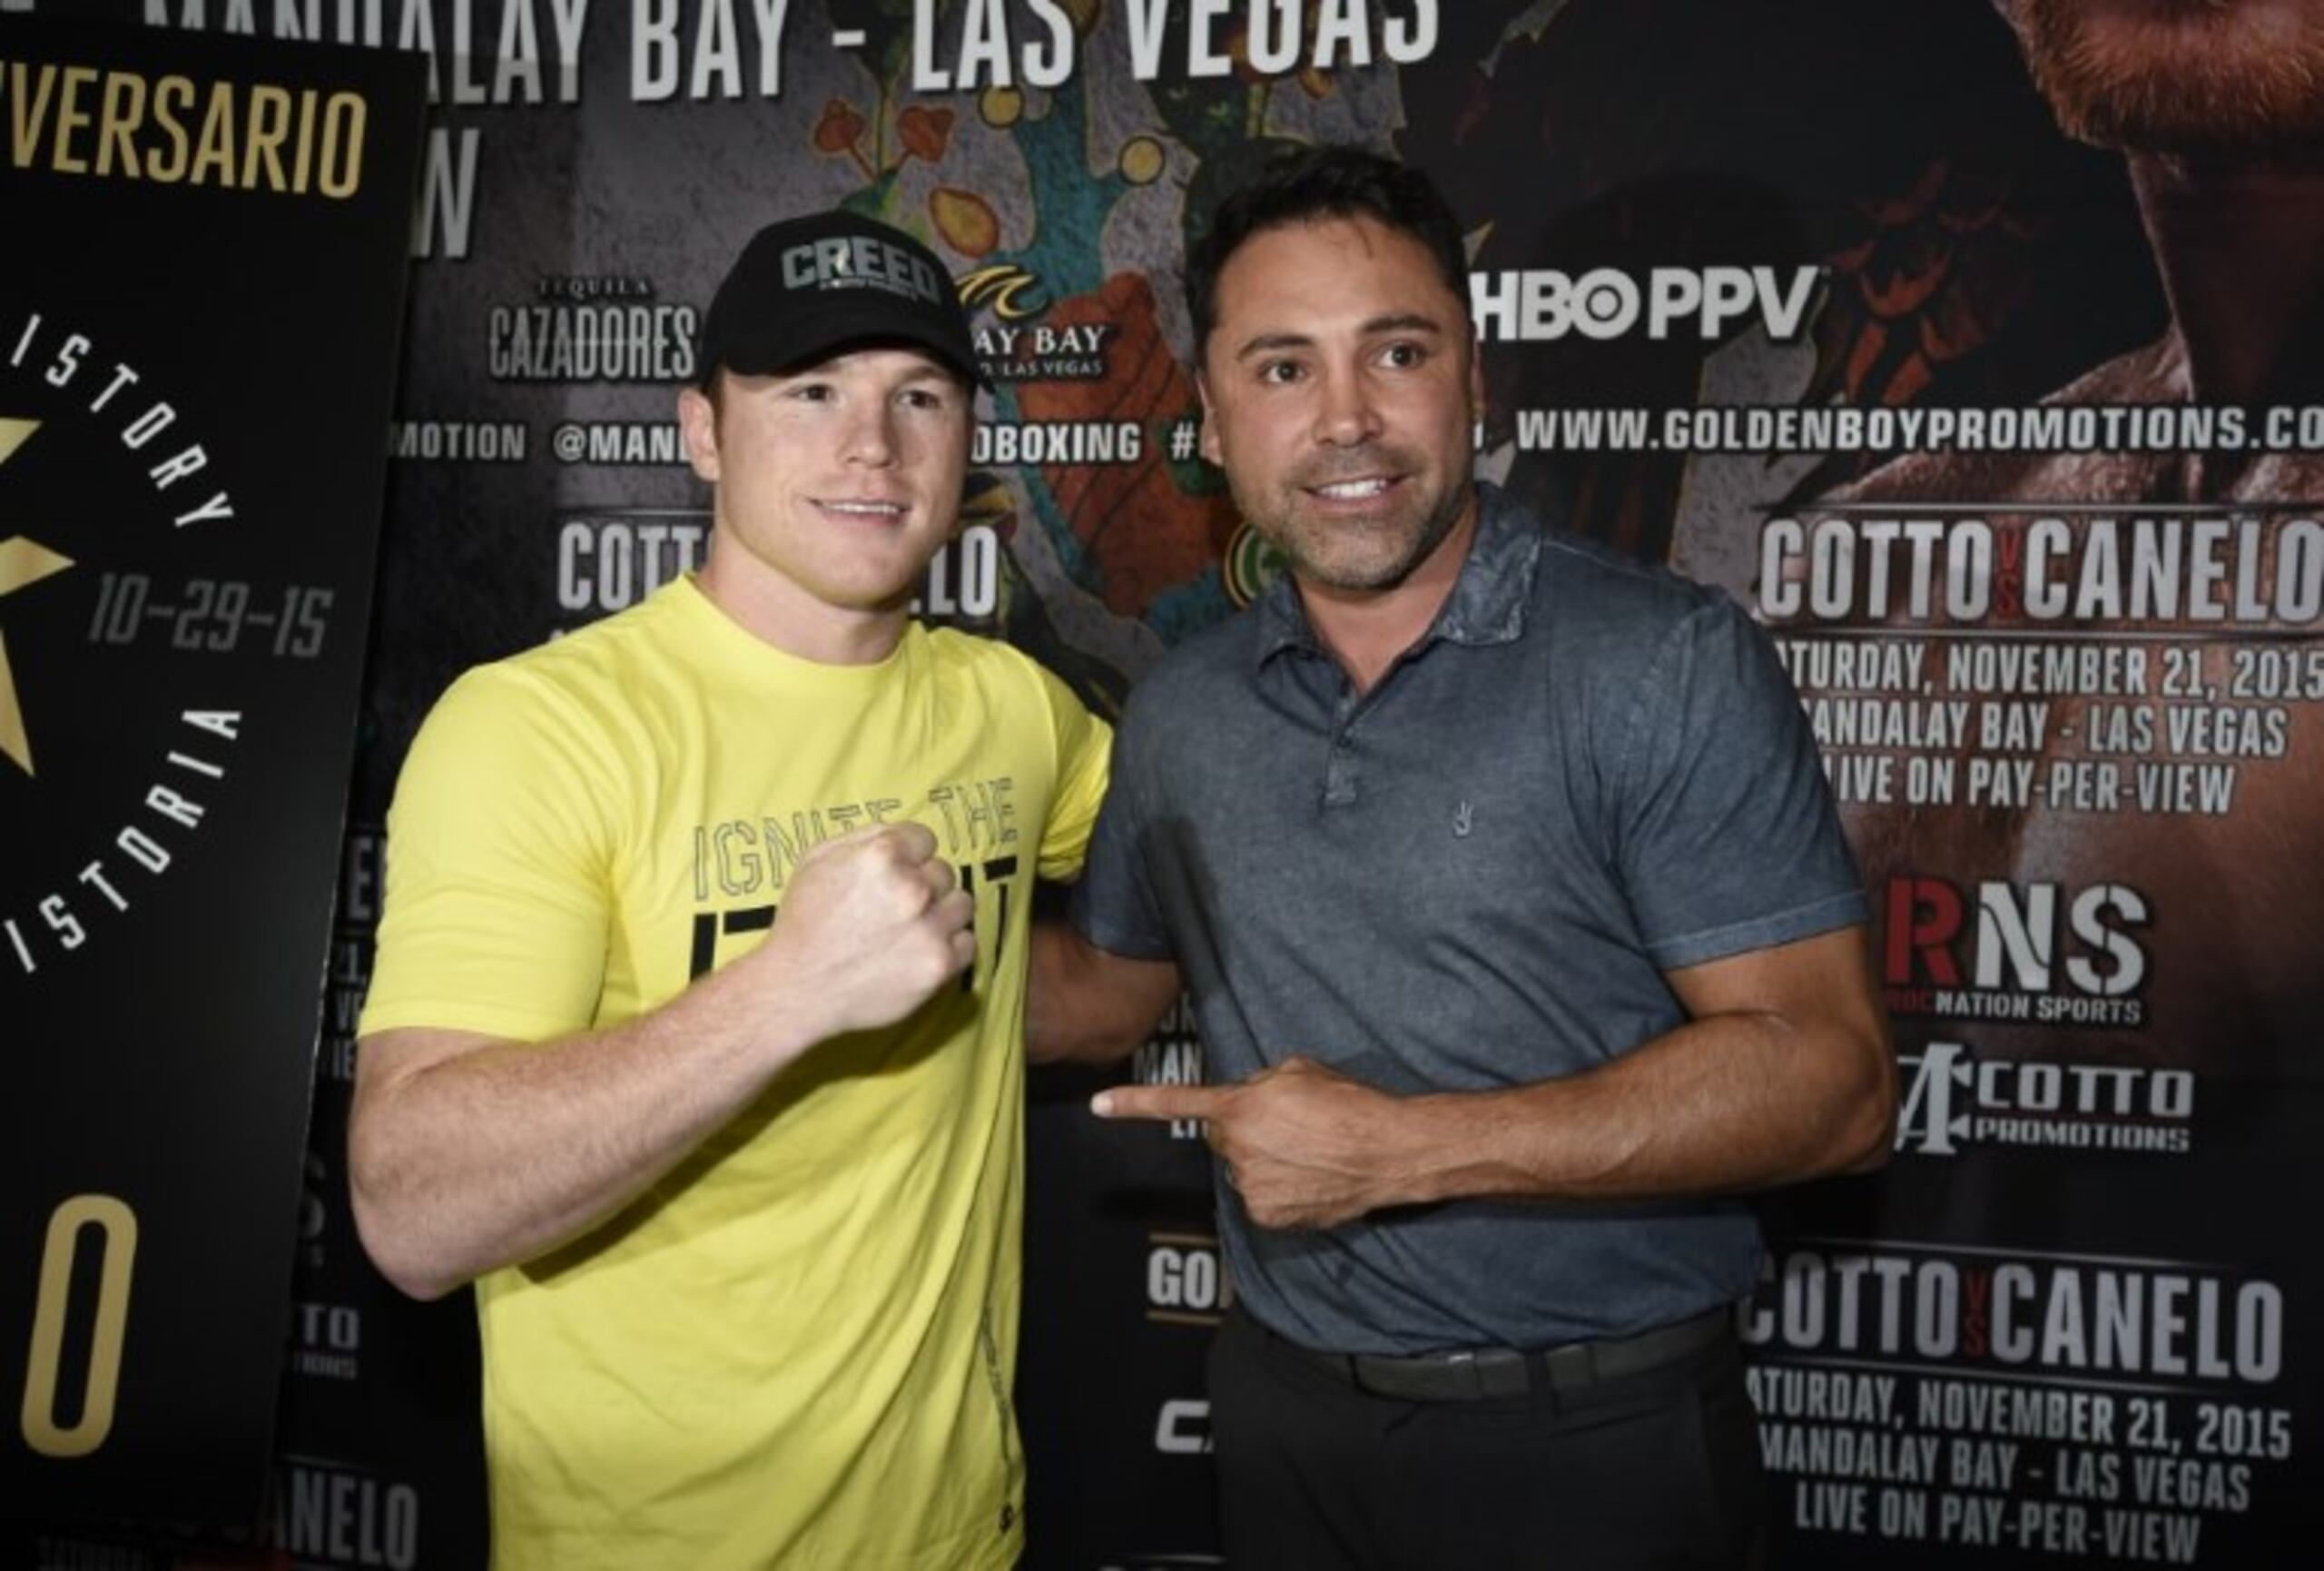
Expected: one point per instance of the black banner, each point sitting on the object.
(202, 274)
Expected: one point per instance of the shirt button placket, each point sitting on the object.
(1339, 772)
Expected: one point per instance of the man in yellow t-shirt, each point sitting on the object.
(695, 1036)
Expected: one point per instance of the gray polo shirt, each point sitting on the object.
(1589, 771)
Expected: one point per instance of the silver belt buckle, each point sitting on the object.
(1574, 1364)
(1468, 1373)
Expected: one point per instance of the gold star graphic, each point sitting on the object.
(23, 561)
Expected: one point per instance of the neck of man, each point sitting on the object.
(2240, 247)
(777, 611)
(1366, 629)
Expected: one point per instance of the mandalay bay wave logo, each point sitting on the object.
(120, 710)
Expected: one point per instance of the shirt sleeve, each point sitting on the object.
(1727, 838)
(1085, 747)
(497, 903)
(1114, 905)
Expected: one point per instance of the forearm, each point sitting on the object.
(467, 1153)
(470, 1155)
(1732, 1103)
(1084, 1003)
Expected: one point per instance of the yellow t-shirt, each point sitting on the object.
(797, 1348)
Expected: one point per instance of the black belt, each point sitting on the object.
(1471, 1374)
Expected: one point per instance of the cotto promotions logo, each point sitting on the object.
(1953, 1099)
(109, 763)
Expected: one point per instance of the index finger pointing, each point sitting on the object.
(1159, 1101)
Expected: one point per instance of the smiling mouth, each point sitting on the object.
(1355, 490)
(863, 509)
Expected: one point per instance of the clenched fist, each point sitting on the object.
(870, 926)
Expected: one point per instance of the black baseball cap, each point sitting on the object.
(804, 287)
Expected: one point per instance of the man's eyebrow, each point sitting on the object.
(1402, 321)
(1259, 344)
(1395, 322)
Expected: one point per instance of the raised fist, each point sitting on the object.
(870, 926)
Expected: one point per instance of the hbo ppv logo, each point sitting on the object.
(1606, 302)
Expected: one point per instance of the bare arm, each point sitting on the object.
(467, 1153)
(1086, 1003)
(1783, 1073)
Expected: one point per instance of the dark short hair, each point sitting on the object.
(1323, 183)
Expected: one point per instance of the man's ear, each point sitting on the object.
(1209, 421)
(698, 425)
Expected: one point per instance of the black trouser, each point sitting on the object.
(1655, 1470)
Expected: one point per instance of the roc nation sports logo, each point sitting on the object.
(118, 721)
(2031, 954)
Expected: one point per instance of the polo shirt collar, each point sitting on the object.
(1487, 605)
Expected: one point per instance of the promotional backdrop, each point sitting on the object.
(2010, 440)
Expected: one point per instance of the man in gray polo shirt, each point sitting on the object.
(1505, 883)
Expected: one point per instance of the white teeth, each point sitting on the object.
(1349, 490)
(880, 509)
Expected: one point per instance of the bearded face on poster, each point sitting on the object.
(2213, 104)
(2228, 79)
